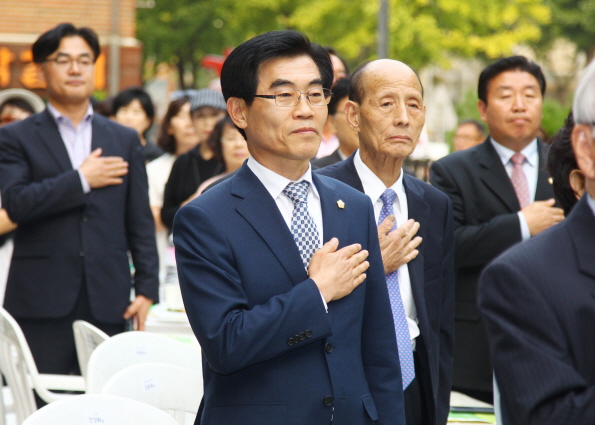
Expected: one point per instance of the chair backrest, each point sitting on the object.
(171, 388)
(86, 338)
(17, 365)
(129, 348)
(99, 409)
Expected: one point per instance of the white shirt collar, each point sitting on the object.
(275, 183)
(373, 186)
(530, 152)
(591, 202)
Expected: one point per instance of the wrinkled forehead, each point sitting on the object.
(401, 82)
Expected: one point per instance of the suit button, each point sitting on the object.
(328, 400)
(328, 347)
(308, 333)
(290, 341)
(302, 336)
(81, 253)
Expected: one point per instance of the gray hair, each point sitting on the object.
(584, 98)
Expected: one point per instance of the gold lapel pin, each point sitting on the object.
(340, 204)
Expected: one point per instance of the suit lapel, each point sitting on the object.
(100, 138)
(581, 225)
(419, 210)
(544, 188)
(259, 209)
(49, 135)
(335, 221)
(493, 174)
(347, 173)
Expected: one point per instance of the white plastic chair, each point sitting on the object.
(129, 348)
(86, 339)
(99, 409)
(19, 369)
(176, 390)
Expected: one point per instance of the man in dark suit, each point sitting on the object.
(538, 301)
(500, 195)
(348, 141)
(75, 184)
(271, 262)
(386, 109)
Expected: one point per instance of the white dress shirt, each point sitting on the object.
(374, 188)
(591, 202)
(76, 140)
(530, 168)
(275, 183)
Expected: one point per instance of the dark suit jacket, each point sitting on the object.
(432, 282)
(538, 300)
(327, 160)
(66, 237)
(271, 353)
(486, 223)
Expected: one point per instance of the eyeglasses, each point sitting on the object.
(65, 62)
(291, 97)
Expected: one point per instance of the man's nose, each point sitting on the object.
(401, 115)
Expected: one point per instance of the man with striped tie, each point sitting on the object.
(386, 108)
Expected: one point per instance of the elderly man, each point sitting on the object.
(539, 305)
(500, 195)
(75, 183)
(272, 260)
(386, 109)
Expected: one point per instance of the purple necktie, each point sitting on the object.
(519, 180)
(396, 303)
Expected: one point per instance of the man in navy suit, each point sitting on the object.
(280, 269)
(538, 301)
(386, 108)
(76, 184)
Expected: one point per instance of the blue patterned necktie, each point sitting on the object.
(396, 303)
(303, 228)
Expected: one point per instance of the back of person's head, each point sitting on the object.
(560, 163)
(239, 77)
(48, 42)
(583, 106)
(512, 63)
(340, 92)
(126, 97)
(166, 140)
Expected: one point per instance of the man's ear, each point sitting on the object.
(481, 107)
(583, 150)
(238, 111)
(577, 183)
(352, 115)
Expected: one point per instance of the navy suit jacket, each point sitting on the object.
(432, 282)
(271, 353)
(66, 237)
(538, 301)
(485, 209)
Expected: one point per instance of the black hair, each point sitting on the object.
(340, 91)
(512, 63)
(560, 163)
(167, 141)
(239, 76)
(126, 97)
(356, 90)
(478, 125)
(49, 41)
(332, 51)
(18, 102)
(214, 140)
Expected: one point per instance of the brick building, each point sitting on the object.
(22, 21)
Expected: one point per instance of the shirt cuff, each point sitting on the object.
(525, 233)
(324, 302)
(84, 183)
